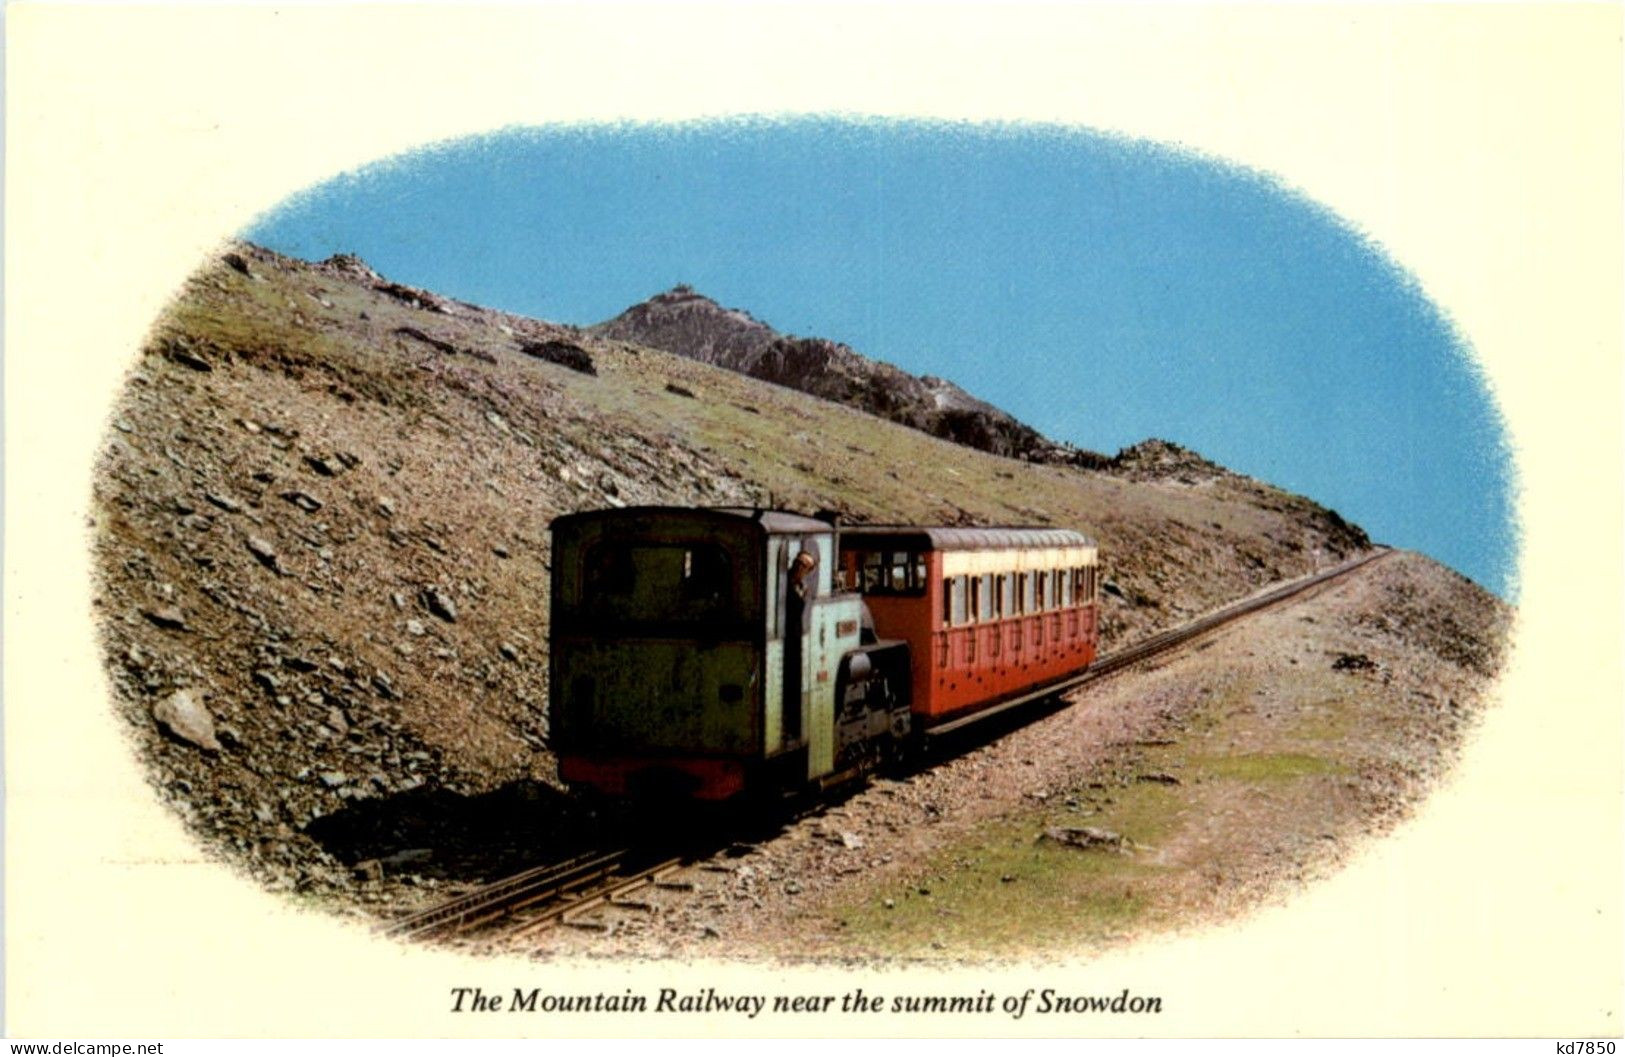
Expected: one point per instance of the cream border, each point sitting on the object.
(1479, 145)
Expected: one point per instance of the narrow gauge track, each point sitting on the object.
(545, 895)
(549, 892)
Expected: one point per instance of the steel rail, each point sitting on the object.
(617, 886)
(508, 894)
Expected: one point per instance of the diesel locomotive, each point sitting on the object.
(706, 652)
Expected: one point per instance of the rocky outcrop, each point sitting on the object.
(690, 324)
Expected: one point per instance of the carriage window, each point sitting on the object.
(1041, 579)
(953, 600)
(975, 597)
(987, 610)
(1063, 585)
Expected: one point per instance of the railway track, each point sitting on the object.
(537, 898)
(527, 903)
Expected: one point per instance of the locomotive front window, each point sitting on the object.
(658, 582)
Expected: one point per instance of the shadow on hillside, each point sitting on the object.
(456, 836)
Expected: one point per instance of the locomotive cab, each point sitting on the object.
(699, 652)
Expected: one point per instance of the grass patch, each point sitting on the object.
(1007, 891)
(1267, 766)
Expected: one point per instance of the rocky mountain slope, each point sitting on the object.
(321, 535)
(692, 325)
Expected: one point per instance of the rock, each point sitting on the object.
(336, 719)
(381, 683)
(507, 650)
(386, 506)
(262, 550)
(303, 500)
(179, 350)
(370, 870)
(416, 627)
(500, 551)
(1353, 662)
(562, 353)
(236, 262)
(1083, 837)
(224, 502)
(792, 887)
(408, 856)
(438, 602)
(334, 779)
(183, 715)
(673, 387)
(435, 343)
(849, 840)
(170, 618)
(324, 466)
(1159, 777)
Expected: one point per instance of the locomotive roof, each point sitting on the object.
(770, 520)
(965, 538)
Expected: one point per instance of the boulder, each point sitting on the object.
(183, 715)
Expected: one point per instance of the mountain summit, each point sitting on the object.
(687, 323)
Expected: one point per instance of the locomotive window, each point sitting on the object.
(658, 582)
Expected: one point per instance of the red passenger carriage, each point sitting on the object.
(992, 616)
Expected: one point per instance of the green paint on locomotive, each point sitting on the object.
(672, 628)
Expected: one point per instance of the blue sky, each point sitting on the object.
(1103, 290)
